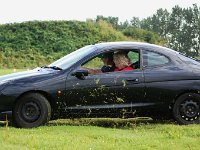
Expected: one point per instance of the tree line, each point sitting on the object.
(180, 27)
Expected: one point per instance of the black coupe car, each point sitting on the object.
(162, 83)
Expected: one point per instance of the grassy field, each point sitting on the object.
(8, 71)
(100, 134)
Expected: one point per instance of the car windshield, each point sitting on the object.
(188, 60)
(68, 60)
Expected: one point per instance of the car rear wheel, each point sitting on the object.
(186, 109)
(32, 110)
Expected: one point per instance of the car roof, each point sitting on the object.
(138, 45)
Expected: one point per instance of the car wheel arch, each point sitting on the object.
(43, 93)
(185, 92)
(171, 105)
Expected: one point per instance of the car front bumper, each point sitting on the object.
(6, 115)
(6, 103)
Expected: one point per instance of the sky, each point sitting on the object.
(26, 10)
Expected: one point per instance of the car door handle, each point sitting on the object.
(132, 80)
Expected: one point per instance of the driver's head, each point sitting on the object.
(107, 58)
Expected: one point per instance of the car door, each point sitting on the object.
(106, 90)
(126, 90)
(88, 92)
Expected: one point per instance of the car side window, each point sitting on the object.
(105, 63)
(95, 63)
(151, 59)
(134, 58)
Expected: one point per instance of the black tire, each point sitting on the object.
(186, 109)
(32, 110)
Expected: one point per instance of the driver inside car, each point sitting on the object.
(109, 66)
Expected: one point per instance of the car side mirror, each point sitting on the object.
(80, 74)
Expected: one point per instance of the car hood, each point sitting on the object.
(25, 74)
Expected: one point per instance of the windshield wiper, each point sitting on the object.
(52, 67)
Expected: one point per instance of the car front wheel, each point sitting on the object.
(186, 109)
(31, 110)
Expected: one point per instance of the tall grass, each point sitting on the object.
(8, 71)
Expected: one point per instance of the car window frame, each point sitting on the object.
(156, 66)
(111, 50)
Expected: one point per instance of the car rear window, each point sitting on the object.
(154, 59)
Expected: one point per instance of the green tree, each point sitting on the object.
(112, 20)
(196, 27)
(180, 27)
(158, 23)
(135, 22)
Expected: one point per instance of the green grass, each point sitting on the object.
(100, 134)
(90, 134)
(8, 71)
